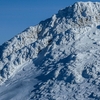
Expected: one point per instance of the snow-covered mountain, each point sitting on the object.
(58, 59)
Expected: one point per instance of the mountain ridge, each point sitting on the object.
(32, 34)
(61, 12)
(64, 50)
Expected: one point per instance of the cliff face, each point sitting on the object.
(62, 53)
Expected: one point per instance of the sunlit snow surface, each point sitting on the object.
(58, 59)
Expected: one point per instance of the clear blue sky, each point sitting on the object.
(17, 15)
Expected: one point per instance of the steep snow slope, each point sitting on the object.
(58, 59)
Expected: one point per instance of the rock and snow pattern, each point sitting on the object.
(58, 59)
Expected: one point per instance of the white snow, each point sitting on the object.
(58, 59)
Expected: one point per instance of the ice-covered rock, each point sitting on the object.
(65, 52)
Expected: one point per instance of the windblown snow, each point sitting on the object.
(58, 59)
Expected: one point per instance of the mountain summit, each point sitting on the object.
(58, 59)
